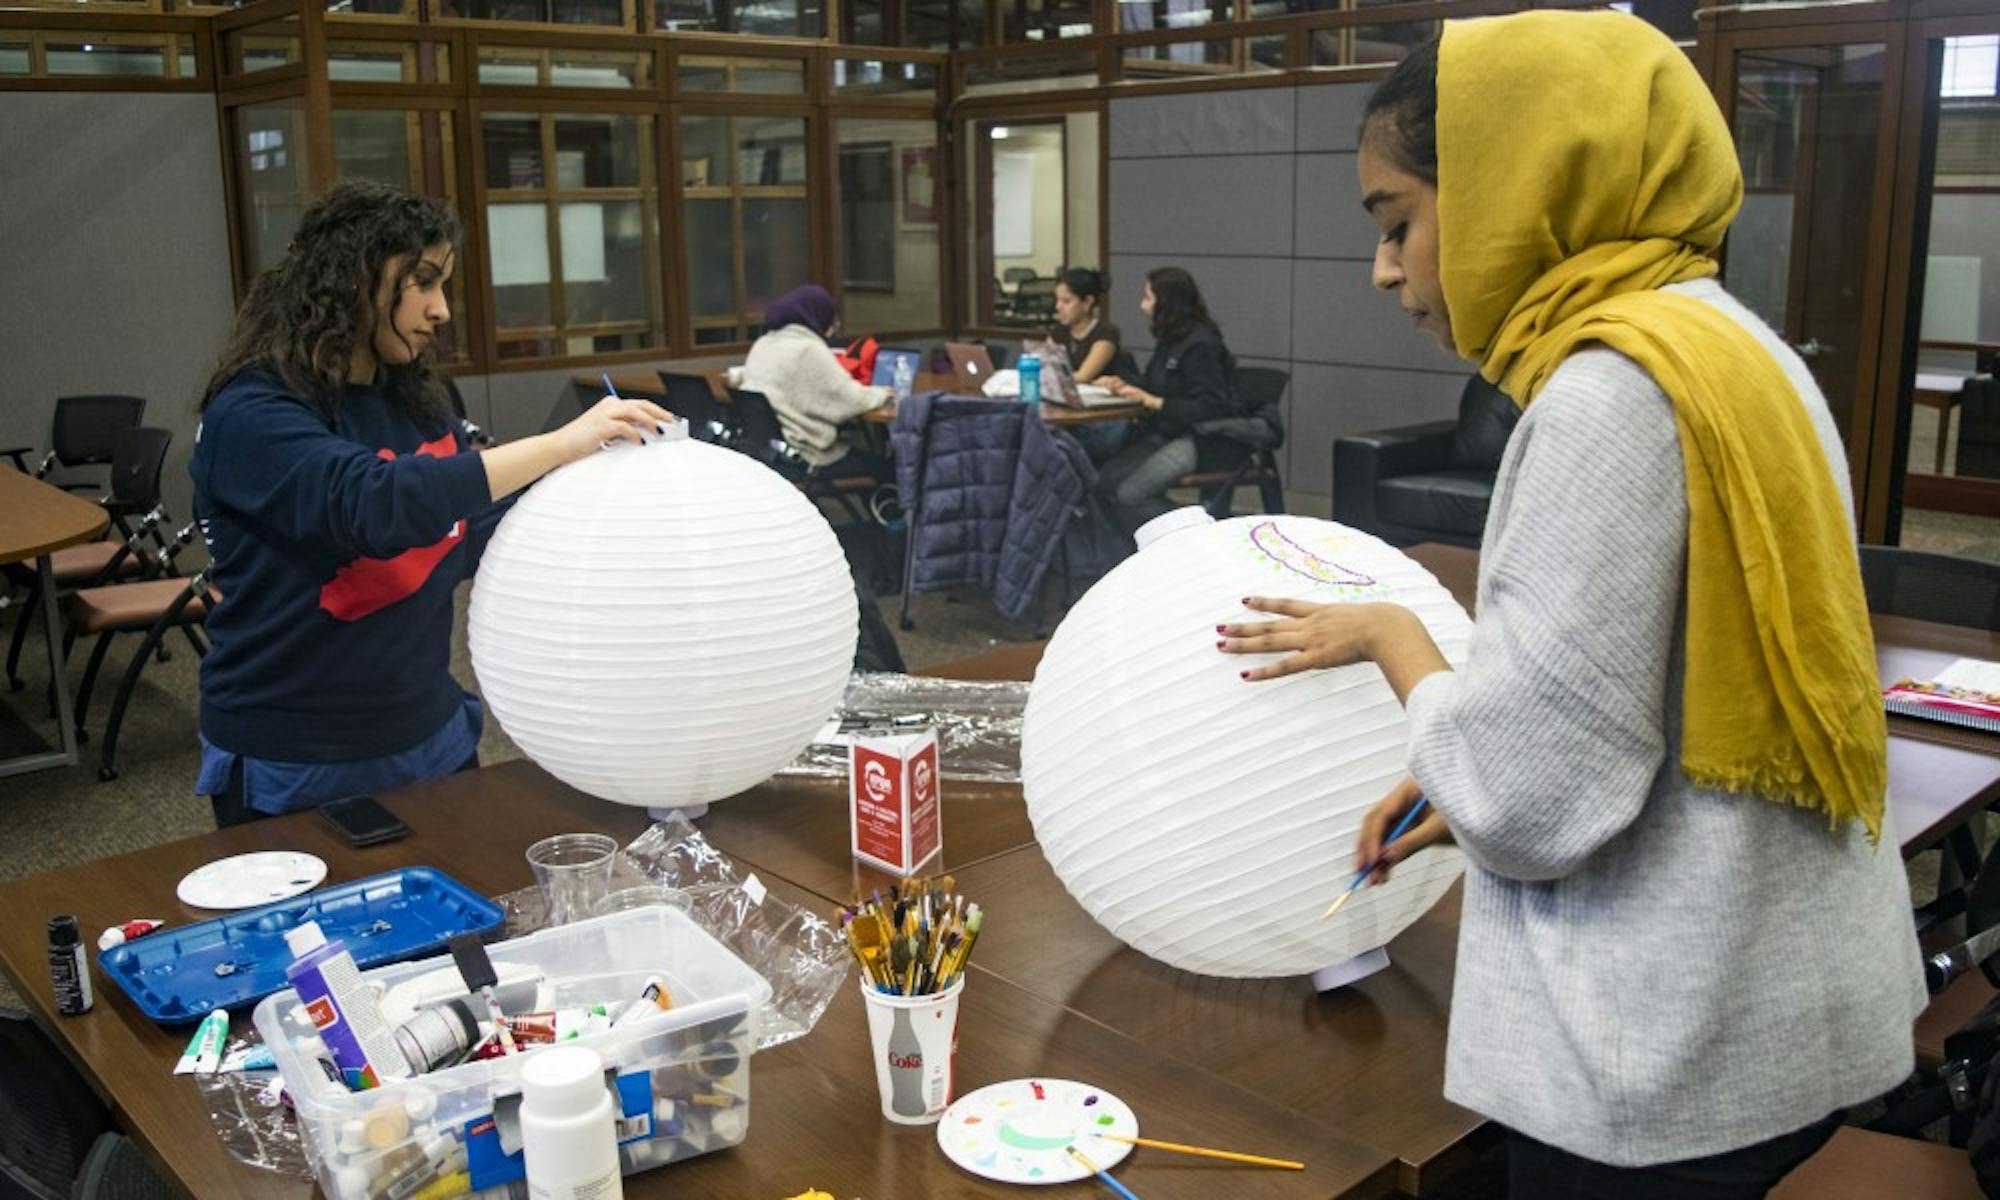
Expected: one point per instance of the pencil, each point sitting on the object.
(1101, 1173)
(1362, 875)
(1255, 1160)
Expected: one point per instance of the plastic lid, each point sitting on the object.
(562, 1079)
(62, 930)
(1167, 523)
(304, 938)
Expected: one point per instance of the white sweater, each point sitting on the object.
(813, 396)
(1647, 971)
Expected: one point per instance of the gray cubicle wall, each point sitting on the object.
(114, 253)
(1253, 191)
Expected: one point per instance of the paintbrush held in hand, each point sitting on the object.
(913, 941)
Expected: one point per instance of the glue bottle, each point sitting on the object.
(343, 1009)
(568, 1141)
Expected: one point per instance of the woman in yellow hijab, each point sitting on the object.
(1686, 944)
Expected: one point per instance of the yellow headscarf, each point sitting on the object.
(1582, 165)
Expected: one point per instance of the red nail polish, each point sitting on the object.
(1245, 674)
(1221, 645)
(1221, 629)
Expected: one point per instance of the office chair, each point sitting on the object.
(81, 434)
(1931, 587)
(1261, 430)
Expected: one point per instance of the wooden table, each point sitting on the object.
(1054, 414)
(36, 520)
(816, 1120)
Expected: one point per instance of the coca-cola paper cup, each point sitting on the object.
(915, 1043)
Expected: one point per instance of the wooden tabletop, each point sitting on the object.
(816, 1119)
(1054, 414)
(37, 518)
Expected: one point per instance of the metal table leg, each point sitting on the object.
(52, 623)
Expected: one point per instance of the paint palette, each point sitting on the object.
(251, 879)
(1016, 1132)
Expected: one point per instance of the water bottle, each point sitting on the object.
(1031, 378)
(905, 375)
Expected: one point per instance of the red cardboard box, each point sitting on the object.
(894, 813)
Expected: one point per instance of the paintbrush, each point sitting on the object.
(1100, 1172)
(1255, 1160)
(1362, 875)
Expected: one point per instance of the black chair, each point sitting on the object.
(1931, 587)
(473, 433)
(82, 435)
(1979, 429)
(1260, 432)
(1430, 482)
(1016, 276)
(759, 435)
(138, 458)
(116, 1170)
(692, 399)
(49, 1116)
(1035, 300)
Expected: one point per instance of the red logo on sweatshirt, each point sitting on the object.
(368, 585)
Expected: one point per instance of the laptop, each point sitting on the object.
(1059, 385)
(971, 367)
(885, 366)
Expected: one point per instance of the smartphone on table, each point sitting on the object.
(363, 821)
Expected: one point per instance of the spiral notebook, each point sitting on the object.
(1965, 693)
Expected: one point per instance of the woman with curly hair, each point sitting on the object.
(342, 503)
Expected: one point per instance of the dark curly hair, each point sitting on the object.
(305, 317)
(1177, 305)
(1402, 114)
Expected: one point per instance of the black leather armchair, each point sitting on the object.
(1426, 483)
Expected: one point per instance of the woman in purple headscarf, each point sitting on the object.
(810, 391)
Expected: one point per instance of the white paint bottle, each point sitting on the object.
(567, 1136)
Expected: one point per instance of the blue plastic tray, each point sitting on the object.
(172, 974)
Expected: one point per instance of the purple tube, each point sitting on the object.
(343, 1009)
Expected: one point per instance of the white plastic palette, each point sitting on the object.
(1017, 1132)
(248, 880)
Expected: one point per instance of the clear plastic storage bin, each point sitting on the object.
(680, 1081)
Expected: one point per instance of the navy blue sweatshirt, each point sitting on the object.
(336, 549)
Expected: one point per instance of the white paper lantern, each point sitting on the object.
(663, 625)
(1206, 820)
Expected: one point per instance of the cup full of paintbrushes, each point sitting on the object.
(911, 943)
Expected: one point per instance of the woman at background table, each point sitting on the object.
(1686, 944)
(341, 505)
(1191, 378)
(1090, 340)
(809, 390)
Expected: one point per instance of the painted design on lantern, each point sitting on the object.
(1018, 1132)
(1286, 553)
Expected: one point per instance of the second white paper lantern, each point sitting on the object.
(1205, 820)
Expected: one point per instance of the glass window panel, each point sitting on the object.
(711, 253)
(877, 77)
(262, 47)
(403, 9)
(705, 157)
(1037, 72)
(624, 69)
(541, 12)
(778, 18)
(777, 249)
(1135, 15)
(575, 264)
(604, 151)
(890, 194)
(771, 151)
(270, 146)
(15, 58)
(944, 24)
(513, 151)
(1218, 56)
(763, 76)
(863, 23)
(510, 66)
(80, 54)
(1047, 20)
(1368, 45)
(686, 15)
(704, 74)
(355, 61)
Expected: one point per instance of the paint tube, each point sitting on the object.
(533, 1029)
(653, 1000)
(118, 935)
(204, 1051)
(249, 1058)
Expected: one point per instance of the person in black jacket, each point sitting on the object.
(1191, 379)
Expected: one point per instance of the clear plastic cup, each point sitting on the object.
(643, 896)
(573, 871)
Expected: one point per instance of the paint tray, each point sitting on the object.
(177, 975)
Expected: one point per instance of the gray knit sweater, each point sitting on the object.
(1647, 971)
(810, 391)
